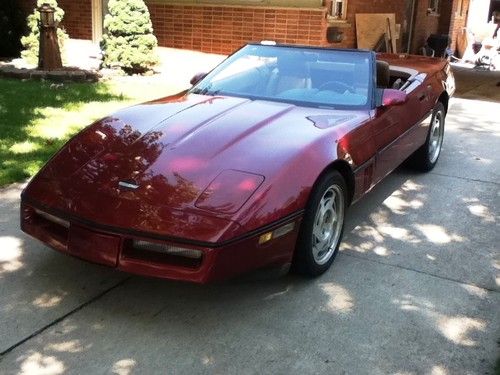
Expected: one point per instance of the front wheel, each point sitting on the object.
(322, 227)
(426, 157)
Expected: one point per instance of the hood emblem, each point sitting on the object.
(130, 185)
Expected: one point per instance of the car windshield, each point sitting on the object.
(304, 76)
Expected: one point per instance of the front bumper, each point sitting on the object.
(115, 248)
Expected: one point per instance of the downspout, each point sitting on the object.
(411, 26)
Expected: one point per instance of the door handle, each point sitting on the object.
(422, 97)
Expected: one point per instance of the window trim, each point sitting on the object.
(434, 7)
(332, 7)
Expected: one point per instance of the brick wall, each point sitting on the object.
(222, 29)
(425, 25)
(77, 16)
(446, 7)
(458, 21)
(448, 22)
(26, 6)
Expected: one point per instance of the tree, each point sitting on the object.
(11, 28)
(129, 42)
(31, 41)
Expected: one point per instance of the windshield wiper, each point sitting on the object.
(206, 91)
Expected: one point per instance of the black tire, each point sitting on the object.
(424, 159)
(305, 261)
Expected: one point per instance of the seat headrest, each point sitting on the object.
(383, 74)
(293, 64)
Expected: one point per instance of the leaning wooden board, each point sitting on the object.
(370, 27)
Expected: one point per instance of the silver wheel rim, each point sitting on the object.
(436, 137)
(327, 225)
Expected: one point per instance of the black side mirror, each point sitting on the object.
(197, 78)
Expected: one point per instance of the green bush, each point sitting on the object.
(11, 28)
(31, 41)
(129, 42)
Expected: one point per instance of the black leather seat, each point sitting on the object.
(292, 73)
(383, 75)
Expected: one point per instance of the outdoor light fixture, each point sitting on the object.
(49, 55)
(334, 35)
(47, 18)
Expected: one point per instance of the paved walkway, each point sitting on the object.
(176, 67)
(415, 290)
(477, 83)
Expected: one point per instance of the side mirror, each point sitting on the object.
(391, 97)
(197, 78)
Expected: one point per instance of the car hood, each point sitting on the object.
(165, 153)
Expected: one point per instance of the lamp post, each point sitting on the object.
(49, 55)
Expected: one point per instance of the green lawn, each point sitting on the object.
(37, 118)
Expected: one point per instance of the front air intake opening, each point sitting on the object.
(56, 227)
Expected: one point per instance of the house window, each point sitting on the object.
(338, 10)
(433, 7)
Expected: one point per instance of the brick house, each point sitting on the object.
(221, 26)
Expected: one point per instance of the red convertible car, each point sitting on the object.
(254, 166)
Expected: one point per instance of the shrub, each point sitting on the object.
(31, 41)
(11, 29)
(128, 42)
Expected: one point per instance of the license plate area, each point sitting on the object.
(93, 246)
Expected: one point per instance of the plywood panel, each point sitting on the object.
(370, 27)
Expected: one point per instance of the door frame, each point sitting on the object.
(98, 12)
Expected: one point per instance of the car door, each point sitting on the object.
(395, 128)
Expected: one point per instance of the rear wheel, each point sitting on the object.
(322, 227)
(426, 157)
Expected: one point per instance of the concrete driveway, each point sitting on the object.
(415, 290)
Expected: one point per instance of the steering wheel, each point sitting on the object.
(337, 86)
